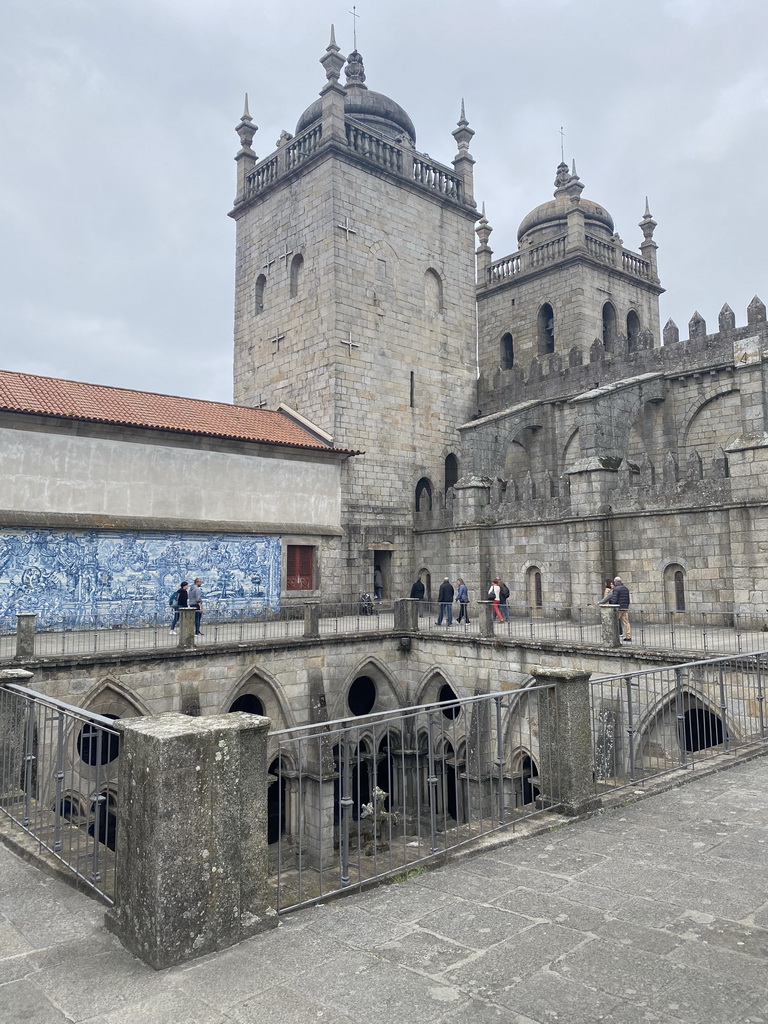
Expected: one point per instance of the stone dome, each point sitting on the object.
(372, 109)
(550, 219)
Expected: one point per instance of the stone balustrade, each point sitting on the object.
(394, 157)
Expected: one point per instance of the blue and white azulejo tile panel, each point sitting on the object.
(82, 579)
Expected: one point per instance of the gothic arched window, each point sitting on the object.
(424, 495)
(609, 325)
(297, 265)
(258, 295)
(507, 353)
(451, 471)
(633, 329)
(534, 588)
(674, 587)
(546, 330)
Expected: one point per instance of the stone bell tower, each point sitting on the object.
(355, 290)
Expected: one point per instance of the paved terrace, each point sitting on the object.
(656, 912)
(690, 633)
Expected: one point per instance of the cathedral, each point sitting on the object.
(404, 398)
(522, 417)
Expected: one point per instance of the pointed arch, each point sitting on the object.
(266, 689)
(609, 326)
(389, 693)
(424, 495)
(506, 351)
(545, 330)
(451, 471)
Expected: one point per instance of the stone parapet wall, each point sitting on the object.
(558, 375)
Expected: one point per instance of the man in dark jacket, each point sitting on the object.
(445, 597)
(417, 594)
(620, 596)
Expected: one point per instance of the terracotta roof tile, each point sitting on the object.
(51, 396)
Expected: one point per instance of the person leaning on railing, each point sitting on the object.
(620, 597)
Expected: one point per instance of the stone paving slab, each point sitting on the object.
(648, 913)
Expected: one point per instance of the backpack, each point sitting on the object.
(173, 600)
(504, 591)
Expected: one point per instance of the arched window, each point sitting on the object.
(507, 353)
(258, 295)
(633, 329)
(546, 330)
(433, 291)
(534, 588)
(609, 326)
(679, 591)
(297, 266)
(674, 587)
(424, 495)
(451, 471)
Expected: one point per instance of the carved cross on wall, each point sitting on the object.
(277, 339)
(349, 343)
(345, 227)
(268, 264)
(262, 404)
(286, 254)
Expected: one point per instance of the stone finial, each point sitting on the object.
(647, 224)
(726, 320)
(596, 351)
(756, 312)
(671, 332)
(483, 230)
(332, 60)
(246, 129)
(463, 133)
(562, 176)
(355, 71)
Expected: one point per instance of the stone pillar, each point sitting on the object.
(311, 618)
(609, 625)
(487, 618)
(13, 737)
(406, 615)
(565, 739)
(186, 627)
(191, 835)
(25, 636)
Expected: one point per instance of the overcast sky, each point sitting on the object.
(116, 147)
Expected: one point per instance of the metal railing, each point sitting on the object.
(58, 781)
(707, 633)
(375, 796)
(648, 723)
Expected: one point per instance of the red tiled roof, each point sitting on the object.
(51, 396)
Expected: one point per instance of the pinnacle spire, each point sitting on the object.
(246, 112)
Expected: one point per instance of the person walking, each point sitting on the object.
(417, 594)
(503, 597)
(378, 583)
(620, 596)
(494, 592)
(445, 597)
(180, 600)
(196, 602)
(462, 596)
